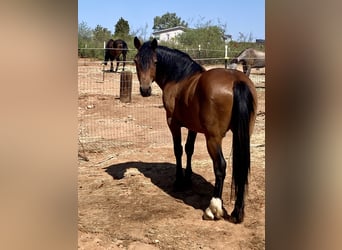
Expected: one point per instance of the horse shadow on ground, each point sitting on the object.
(162, 174)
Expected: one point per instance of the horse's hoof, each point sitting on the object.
(208, 215)
(237, 216)
(215, 210)
(234, 219)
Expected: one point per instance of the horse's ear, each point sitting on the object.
(154, 44)
(137, 43)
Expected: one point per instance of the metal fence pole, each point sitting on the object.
(225, 56)
(104, 56)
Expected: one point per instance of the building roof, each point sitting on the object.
(169, 29)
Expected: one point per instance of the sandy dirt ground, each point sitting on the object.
(125, 196)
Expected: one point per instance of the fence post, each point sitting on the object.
(104, 55)
(225, 56)
(125, 86)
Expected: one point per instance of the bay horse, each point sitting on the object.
(249, 58)
(204, 101)
(113, 50)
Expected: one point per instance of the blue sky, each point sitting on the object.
(247, 17)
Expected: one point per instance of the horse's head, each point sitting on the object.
(234, 61)
(145, 63)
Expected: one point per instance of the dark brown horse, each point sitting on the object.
(249, 58)
(210, 102)
(114, 48)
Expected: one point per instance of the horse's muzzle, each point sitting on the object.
(145, 92)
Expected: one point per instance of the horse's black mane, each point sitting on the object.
(176, 64)
(173, 64)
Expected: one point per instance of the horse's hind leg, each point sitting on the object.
(111, 66)
(189, 150)
(123, 61)
(215, 209)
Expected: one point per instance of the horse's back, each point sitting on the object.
(259, 54)
(220, 79)
(110, 43)
(251, 54)
(259, 61)
(117, 44)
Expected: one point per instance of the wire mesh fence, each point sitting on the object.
(105, 122)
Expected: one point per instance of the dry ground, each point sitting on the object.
(125, 192)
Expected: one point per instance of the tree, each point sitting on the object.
(208, 36)
(84, 39)
(245, 38)
(84, 31)
(141, 33)
(121, 28)
(168, 20)
(84, 34)
(101, 34)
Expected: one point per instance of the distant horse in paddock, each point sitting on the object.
(113, 50)
(249, 58)
(204, 101)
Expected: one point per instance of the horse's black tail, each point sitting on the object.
(243, 111)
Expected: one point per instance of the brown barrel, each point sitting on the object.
(126, 86)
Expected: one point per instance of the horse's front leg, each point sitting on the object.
(117, 64)
(247, 69)
(189, 150)
(111, 66)
(178, 152)
(215, 209)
